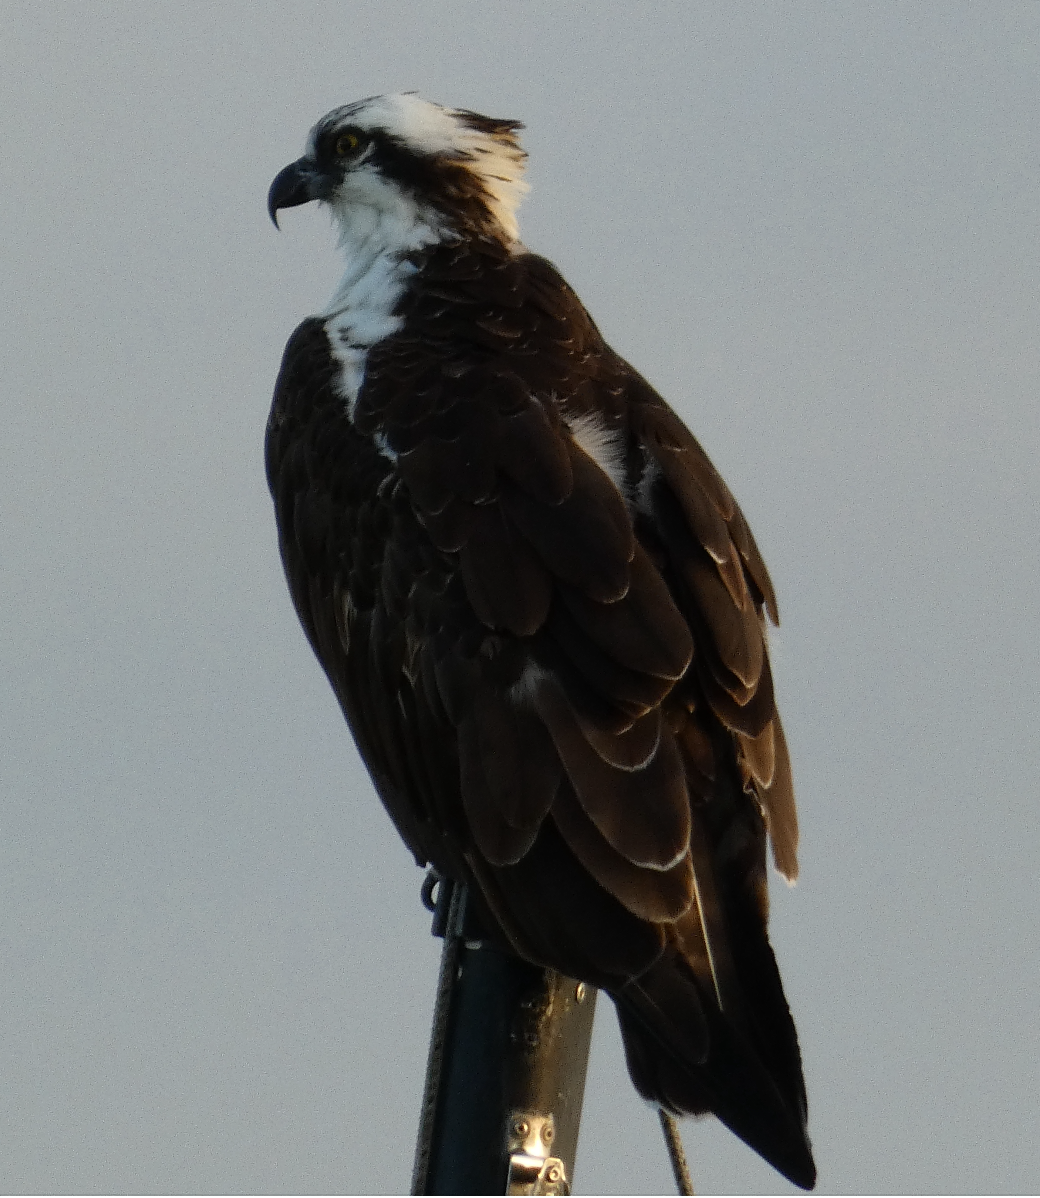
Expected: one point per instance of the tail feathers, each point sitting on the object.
(688, 1056)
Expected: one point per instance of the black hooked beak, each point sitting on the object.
(291, 187)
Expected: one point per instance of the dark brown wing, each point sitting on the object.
(334, 497)
(542, 613)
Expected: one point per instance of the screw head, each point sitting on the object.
(520, 1128)
(553, 1173)
(548, 1131)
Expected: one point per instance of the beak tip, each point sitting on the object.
(290, 188)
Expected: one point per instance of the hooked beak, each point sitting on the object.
(292, 187)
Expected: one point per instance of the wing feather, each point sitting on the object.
(498, 841)
(643, 630)
(643, 814)
(505, 580)
(519, 760)
(587, 540)
(557, 677)
(778, 803)
(659, 896)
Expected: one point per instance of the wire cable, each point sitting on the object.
(676, 1153)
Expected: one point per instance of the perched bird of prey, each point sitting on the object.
(541, 610)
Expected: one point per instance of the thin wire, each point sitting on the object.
(441, 1008)
(676, 1153)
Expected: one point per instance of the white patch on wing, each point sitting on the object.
(651, 473)
(346, 627)
(384, 447)
(524, 690)
(604, 445)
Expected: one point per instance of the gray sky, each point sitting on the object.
(813, 226)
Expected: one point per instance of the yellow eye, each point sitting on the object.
(347, 143)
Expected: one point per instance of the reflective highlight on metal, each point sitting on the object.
(531, 1169)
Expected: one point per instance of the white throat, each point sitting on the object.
(378, 227)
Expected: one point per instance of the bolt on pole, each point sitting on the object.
(505, 1078)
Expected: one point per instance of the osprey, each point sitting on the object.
(541, 610)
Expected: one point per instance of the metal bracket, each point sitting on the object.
(510, 1044)
(531, 1169)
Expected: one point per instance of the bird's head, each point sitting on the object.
(401, 158)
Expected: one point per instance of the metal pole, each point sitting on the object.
(506, 1074)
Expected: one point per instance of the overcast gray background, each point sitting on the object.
(814, 227)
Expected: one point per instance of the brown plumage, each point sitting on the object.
(549, 642)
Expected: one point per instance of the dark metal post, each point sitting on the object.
(506, 1074)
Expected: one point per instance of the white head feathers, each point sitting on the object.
(487, 149)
